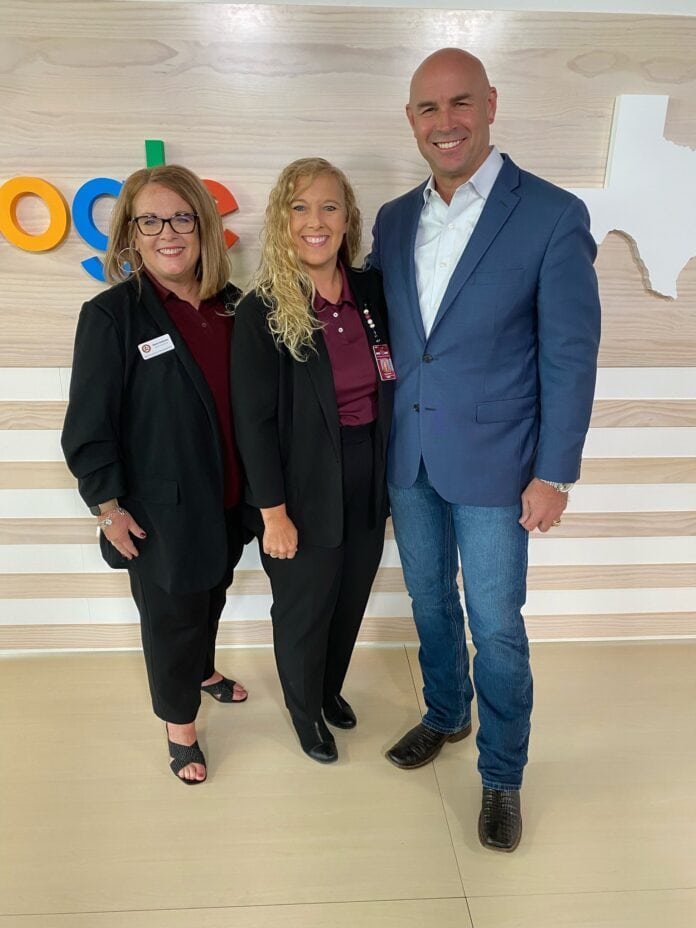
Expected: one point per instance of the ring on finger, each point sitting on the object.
(556, 522)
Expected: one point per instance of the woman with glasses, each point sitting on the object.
(312, 393)
(149, 436)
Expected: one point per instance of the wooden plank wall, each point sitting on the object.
(238, 91)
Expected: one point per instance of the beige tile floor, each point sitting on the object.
(95, 832)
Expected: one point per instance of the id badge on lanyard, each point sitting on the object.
(385, 366)
(383, 359)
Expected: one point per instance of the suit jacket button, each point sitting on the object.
(416, 406)
(427, 358)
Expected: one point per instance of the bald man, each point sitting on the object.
(494, 325)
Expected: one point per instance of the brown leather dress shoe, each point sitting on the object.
(500, 821)
(420, 745)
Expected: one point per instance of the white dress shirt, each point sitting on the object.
(444, 232)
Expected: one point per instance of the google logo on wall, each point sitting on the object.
(13, 190)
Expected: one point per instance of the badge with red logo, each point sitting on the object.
(385, 366)
(156, 346)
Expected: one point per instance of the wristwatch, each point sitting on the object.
(98, 511)
(561, 487)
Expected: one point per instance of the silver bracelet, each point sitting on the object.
(108, 520)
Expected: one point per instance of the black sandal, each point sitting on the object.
(223, 691)
(181, 756)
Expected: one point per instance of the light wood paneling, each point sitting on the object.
(35, 414)
(611, 576)
(574, 525)
(224, 65)
(388, 580)
(615, 525)
(638, 470)
(623, 525)
(39, 475)
(35, 475)
(47, 532)
(105, 584)
(384, 630)
(643, 413)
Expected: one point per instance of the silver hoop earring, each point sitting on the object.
(124, 265)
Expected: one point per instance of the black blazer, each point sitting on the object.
(286, 421)
(146, 431)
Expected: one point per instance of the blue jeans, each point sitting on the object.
(493, 551)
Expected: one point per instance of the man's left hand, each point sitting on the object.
(542, 506)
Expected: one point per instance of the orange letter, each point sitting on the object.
(12, 192)
(226, 203)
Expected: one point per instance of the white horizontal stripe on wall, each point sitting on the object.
(30, 445)
(44, 444)
(641, 443)
(655, 497)
(57, 559)
(627, 497)
(38, 504)
(599, 602)
(613, 383)
(34, 383)
(558, 552)
(249, 607)
(646, 383)
(50, 559)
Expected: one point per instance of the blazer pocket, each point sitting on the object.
(522, 407)
(155, 490)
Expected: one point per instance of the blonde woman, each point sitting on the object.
(149, 435)
(312, 395)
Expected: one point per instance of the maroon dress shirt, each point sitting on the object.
(207, 332)
(354, 372)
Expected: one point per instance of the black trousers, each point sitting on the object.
(179, 632)
(319, 596)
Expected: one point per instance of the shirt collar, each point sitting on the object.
(346, 296)
(482, 180)
(167, 296)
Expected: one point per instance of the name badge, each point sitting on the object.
(385, 367)
(156, 346)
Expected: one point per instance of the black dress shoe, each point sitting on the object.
(421, 745)
(500, 821)
(316, 740)
(339, 713)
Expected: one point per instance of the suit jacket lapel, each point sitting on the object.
(154, 307)
(407, 234)
(499, 205)
(319, 371)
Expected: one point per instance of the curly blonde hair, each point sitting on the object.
(213, 269)
(281, 279)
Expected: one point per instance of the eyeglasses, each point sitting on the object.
(183, 223)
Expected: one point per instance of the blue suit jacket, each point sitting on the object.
(501, 391)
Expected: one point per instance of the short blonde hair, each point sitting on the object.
(281, 279)
(213, 269)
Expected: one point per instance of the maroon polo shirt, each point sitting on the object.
(207, 332)
(354, 372)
